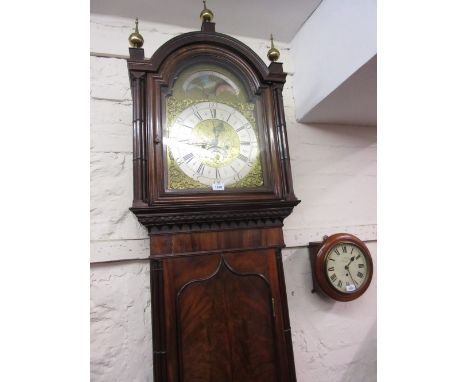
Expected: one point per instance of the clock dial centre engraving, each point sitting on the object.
(213, 142)
(219, 141)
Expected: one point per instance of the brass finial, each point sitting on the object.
(206, 14)
(136, 39)
(273, 54)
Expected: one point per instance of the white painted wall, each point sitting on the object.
(332, 44)
(334, 173)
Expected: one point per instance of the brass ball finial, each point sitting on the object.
(273, 54)
(206, 14)
(136, 39)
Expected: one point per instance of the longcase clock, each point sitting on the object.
(212, 183)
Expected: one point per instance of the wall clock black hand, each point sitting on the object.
(335, 253)
(349, 272)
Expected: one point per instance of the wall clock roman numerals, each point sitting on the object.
(341, 266)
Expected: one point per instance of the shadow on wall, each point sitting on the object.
(298, 273)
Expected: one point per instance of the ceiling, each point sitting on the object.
(354, 102)
(254, 18)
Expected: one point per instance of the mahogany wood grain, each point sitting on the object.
(226, 328)
(225, 318)
(172, 244)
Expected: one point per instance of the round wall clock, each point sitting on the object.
(341, 266)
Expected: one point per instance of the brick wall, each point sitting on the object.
(334, 174)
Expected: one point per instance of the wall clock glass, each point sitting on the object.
(346, 267)
(341, 266)
(213, 135)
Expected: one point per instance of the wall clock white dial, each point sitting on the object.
(346, 267)
(342, 266)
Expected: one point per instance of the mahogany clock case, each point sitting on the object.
(318, 252)
(219, 306)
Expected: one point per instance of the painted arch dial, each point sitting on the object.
(346, 267)
(212, 142)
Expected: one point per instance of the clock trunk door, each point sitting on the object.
(226, 328)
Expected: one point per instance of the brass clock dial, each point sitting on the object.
(212, 142)
(341, 266)
(212, 134)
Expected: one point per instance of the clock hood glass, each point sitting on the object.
(212, 132)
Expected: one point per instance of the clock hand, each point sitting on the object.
(354, 282)
(350, 261)
(349, 272)
(217, 130)
(198, 144)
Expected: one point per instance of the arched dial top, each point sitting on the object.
(193, 40)
(213, 136)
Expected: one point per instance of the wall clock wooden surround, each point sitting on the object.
(342, 266)
(212, 183)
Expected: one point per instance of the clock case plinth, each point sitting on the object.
(225, 244)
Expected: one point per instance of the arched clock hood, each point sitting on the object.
(154, 206)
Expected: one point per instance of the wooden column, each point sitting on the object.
(139, 150)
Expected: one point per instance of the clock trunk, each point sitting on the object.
(220, 314)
